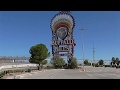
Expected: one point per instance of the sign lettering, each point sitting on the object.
(63, 42)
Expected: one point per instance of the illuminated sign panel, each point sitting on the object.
(62, 25)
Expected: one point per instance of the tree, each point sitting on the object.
(73, 63)
(43, 63)
(117, 61)
(113, 60)
(101, 62)
(57, 62)
(39, 53)
(86, 62)
(111, 63)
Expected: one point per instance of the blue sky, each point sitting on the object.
(19, 30)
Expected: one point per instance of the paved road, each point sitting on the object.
(90, 73)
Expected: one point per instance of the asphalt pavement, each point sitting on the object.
(89, 73)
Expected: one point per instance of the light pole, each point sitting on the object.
(93, 54)
(83, 46)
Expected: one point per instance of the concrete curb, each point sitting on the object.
(22, 75)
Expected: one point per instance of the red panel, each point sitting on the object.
(74, 44)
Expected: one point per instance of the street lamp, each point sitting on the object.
(83, 46)
(93, 54)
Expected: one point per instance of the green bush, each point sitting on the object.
(2, 74)
(29, 70)
(107, 65)
(113, 66)
(16, 71)
(117, 66)
(50, 67)
(96, 65)
(11, 71)
(93, 64)
(22, 70)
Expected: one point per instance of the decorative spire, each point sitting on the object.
(65, 12)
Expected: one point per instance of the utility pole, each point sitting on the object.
(93, 54)
(83, 46)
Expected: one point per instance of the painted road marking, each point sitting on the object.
(51, 76)
(115, 75)
(101, 74)
(88, 74)
(80, 71)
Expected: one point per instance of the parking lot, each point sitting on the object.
(90, 73)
